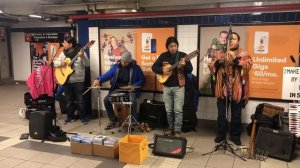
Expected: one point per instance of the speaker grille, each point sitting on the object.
(275, 143)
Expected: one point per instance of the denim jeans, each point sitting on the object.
(109, 108)
(236, 125)
(173, 98)
(73, 93)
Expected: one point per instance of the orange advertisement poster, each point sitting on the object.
(270, 48)
(150, 43)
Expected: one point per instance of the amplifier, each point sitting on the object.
(153, 112)
(276, 143)
(169, 146)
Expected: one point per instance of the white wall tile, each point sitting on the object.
(20, 56)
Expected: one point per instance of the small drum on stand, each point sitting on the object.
(118, 97)
(121, 101)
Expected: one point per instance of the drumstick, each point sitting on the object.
(88, 89)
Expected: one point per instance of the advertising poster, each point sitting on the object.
(269, 48)
(212, 39)
(113, 42)
(39, 55)
(145, 45)
(270, 57)
(154, 40)
(43, 46)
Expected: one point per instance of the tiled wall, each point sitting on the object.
(283, 17)
(187, 36)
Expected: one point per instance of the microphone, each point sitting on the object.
(293, 60)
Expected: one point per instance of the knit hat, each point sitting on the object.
(126, 57)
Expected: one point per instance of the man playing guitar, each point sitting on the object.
(173, 93)
(74, 85)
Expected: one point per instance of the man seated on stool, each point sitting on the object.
(125, 72)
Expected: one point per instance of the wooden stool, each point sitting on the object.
(122, 111)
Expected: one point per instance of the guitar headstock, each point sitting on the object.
(192, 54)
(89, 44)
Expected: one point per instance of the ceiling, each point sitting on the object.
(14, 11)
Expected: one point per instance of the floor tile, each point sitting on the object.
(273, 163)
(26, 154)
(190, 165)
(45, 157)
(111, 163)
(218, 159)
(10, 142)
(10, 151)
(29, 164)
(51, 166)
(86, 163)
(64, 161)
(163, 162)
(2, 138)
(294, 164)
(10, 162)
(238, 163)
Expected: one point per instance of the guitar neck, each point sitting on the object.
(174, 66)
(187, 57)
(75, 58)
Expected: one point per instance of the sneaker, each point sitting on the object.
(236, 141)
(68, 120)
(219, 138)
(168, 132)
(84, 121)
(111, 125)
(177, 134)
(74, 119)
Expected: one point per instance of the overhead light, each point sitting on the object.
(258, 3)
(1, 11)
(256, 13)
(123, 10)
(35, 16)
(133, 10)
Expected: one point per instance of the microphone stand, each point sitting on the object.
(53, 84)
(224, 144)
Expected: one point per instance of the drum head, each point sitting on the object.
(117, 94)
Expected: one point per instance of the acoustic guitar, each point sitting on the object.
(163, 78)
(62, 73)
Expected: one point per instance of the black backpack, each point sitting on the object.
(262, 120)
(189, 121)
(57, 135)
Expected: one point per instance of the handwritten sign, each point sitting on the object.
(291, 83)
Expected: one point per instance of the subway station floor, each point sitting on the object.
(34, 154)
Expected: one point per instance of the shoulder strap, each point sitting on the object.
(130, 75)
(177, 56)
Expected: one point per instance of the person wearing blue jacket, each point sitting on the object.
(124, 73)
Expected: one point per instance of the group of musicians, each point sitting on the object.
(230, 67)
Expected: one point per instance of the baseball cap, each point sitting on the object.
(126, 57)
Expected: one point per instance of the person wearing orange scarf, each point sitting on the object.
(231, 70)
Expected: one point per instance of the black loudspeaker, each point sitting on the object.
(169, 146)
(276, 143)
(153, 112)
(40, 122)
